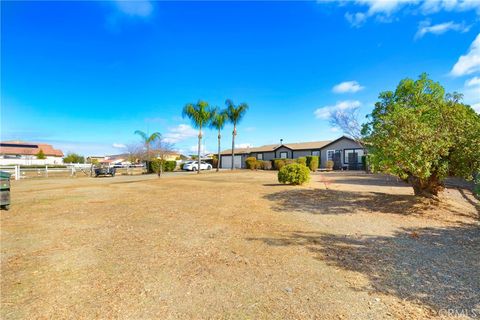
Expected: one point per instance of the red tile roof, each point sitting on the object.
(28, 148)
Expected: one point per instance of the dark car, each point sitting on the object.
(104, 171)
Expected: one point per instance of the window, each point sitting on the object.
(259, 156)
(316, 153)
(330, 154)
(283, 155)
(352, 155)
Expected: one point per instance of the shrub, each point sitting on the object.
(251, 163)
(289, 161)
(278, 164)
(302, 160)
(312, 162)
(154, 166)
(294, 173)
(330, 164)
(266, 165)
(169, 165)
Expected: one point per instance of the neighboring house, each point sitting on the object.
(344, 152)
(25, 153)
(94, 159)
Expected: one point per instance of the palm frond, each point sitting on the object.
(199, 113)
(154, 136)
(219, 119)
(235, 113)
(142, 134)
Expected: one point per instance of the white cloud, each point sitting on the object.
(470, 62)
(347, 86)
(119, 145)
(471, 93)
(437, 29)
(180, 133)
(334, 129)
(356, 19)
(476, 107)
(135, 8)
(475, 81)
(434, 6)
(243, 145)
(385, 10)
(326, 112)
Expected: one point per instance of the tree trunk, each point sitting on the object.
(161, 167)
(199, 161)
(218, 159)
(234, 133)
(427, 188)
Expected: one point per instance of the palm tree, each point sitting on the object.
(200, 115)
(235, 115)
(148, 140)
(219, 118)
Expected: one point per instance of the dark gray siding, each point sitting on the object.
(341, 144)
(283, 149)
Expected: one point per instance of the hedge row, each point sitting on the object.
(309, 161)
(154, 166)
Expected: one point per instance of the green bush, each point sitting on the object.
(294, 173)
(330, 164)
(302, 160)
(289, 161)
(312, 162)
(266, 165)
(169, 165)
(154, 166)
(251, 163)
(278, 163)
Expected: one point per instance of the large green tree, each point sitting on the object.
(74, 158)
(235, 114)
(147, 141)
(219, 118)
(199, 114)
(422, 135)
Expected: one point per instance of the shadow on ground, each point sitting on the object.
(436, 267)
(368, 180)
(327, 201)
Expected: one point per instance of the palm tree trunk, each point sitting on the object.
(218, 158)
(199, 147)
(234, 133)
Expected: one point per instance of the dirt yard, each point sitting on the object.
(237, 246)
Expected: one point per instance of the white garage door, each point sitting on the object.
(227, 162)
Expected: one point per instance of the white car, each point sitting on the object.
(193, 166)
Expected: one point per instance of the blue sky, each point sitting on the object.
(85, 75)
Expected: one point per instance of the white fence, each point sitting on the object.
(20, 172)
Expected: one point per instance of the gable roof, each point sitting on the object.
(291, 146)
(28, 148)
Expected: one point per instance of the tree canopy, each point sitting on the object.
(41, 155)
(74, 158)
(422, 135)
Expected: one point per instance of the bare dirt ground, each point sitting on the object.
(236, 246)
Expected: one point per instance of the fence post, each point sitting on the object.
(17, 172)
(46, 170)
(73, 171)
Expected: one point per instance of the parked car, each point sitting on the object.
(104, 171)
(193, 166)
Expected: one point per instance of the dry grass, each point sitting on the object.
(236, 245)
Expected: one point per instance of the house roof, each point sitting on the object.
(291, 146)
(28, 148)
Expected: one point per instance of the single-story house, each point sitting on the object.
(26, 153)
(344, 152)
